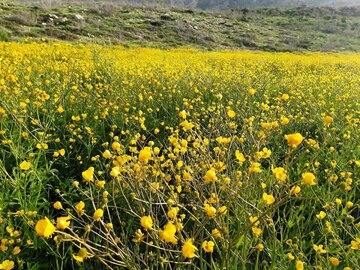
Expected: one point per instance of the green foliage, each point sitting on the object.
(4, 36)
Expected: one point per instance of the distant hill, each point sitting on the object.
(222, 4)
(269, 29)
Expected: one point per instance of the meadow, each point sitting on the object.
(142, 158)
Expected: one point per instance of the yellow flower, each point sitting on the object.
(210, 210)
(60, 109)
(349, 204)
(80, 207)
(139, 237)
(231, 113)
(295, 190)
(146, 222)
(328, 120)
(321, 215)
(172, 213)
(208, 246)
(57, 205)
(25, 165)
(183, 114)
(44, 228)
(280, 174)
(251, 91)
(308, 178)
(145, 154)
(168, 233)
(265, 153)
(319, 249)
(7, 265)
(107, 154)
(290, 256)
(255, 167)
(355, 244)
(63, 222)
(210, 176)
(260, 247)
(16, 251)
(187, 176)
(115, 171)
(254, 221)
(285, 97)
(188, 249)
(88, 175)
(216, 233)
(284, 120)
(81, 255)
(256, 231)
(299, 265)
(268, 198)
(334, 261)
(294, 139)
(240, 157)
(223, 210)
(186, 125)
(98, 214)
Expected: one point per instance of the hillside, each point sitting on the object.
(223, 4)
(270, 29)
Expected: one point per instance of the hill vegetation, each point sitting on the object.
(270, 29)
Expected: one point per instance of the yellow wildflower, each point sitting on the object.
(81, 255)
(268, 198)
(80, 207)
(188, 249)
(210, 210)
(98, 214)
(44, 228)
(308, 178)
(319, 249)
(208, 246)
(7, 265)
(321, 215)
(63, 222)
(168, 233)
(145, 154)
(57, 205)
(299, 265)
(231, 113)
(294, 139)
(210, 176)
(25, 165)
(328, 120)
(334, 261)
(280, 174)
(88, 175)
(255, 167)
(146, 222)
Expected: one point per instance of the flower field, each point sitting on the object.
(147, 159)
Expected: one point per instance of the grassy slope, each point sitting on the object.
(313, 29)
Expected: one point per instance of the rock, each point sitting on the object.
(156, 23)
(79, 17)
(166, 17)
(53, 16)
